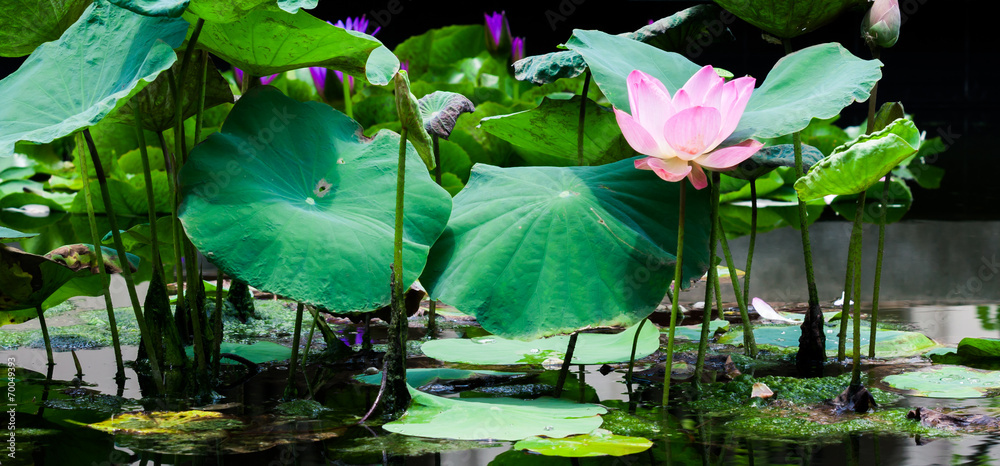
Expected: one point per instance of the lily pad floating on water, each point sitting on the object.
(947, 382)
(257, 353)
(693, 332)
(888, 343)
(291, 198)
(495, 418)
(591, 348)
(597, 443)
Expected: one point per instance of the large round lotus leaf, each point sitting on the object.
(494, 418)
(538, 251)
(233, 10)
(266, 40)
(859, 164)
(552, 128)
(815, 82)
(26, 24)
(421, 377)
(888, 343)
(787, 18)
(73, 82)
(598, 443)
(947, 382)
(291, 198)
(591, 348)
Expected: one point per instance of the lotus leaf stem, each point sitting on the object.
(753, 239)
(749, 342)
(878, 263)
(675, 296)
(290, 390)
(712, 278)
(581, 127)
(45, 334)
(567, 361)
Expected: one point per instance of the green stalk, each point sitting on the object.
(196, 311)
(150, 197)
(175, 226)
(878, 264)
(200, 112)
(45, 334)
(126, 271)
(432, 304)
(567, 360)
(583, 115)
(290, 390)
(631, 359)
(678, 276)
(856, 369)
(749, 342)
(812, 343)
(712, 278)
(99, 256)
(845, 309)
(753, 239)
(717, 287)
(217, 324)
(348, 105)
(397, 396)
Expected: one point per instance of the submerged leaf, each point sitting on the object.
(291, 198)
(597, 443)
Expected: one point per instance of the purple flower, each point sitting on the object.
(405, 65)
(318, 73)
(497, 31)
(265, 80)
(517, 48)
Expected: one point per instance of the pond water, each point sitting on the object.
(924, 276)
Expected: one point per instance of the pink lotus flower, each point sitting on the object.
(682, 134)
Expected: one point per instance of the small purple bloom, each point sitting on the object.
(517, 48)
(405, 65)
(318, 73)
(497, 30)
(265, 80)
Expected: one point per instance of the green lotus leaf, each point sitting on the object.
(771, 215)
(257, 353)
(815, 82)
(233, 10)
(900, 199)
(676, 33)
(591, 348)
(8, 235)
(26, 24)
(947, 382)
(737, 189)
(440, 49)
(267, 40)
(291, 198)
(381, 66)
(552, 127)
(171, 8)
(979, 348)
(421, 377)
(293, 6)
(539, 251)
(494, 418)
(787, 18)
(110, 52)
(410, 118)
(131, 161)
(138, 240)
(56, 202)
(128, 198)
(157, 99)
(918, 169)
(597, 443)
(440, 111)
(547, 68)
(888, 343)
(888, 113)
(771, 157)
(859, 164)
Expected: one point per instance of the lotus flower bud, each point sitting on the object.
(497, 32)
(517, 49)
(881, 24)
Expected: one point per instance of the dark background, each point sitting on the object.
(937, 69)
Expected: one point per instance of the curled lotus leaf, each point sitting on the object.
(771, 157)
(441, 109)
(410, 117)
(291, 198)
(788, 18)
